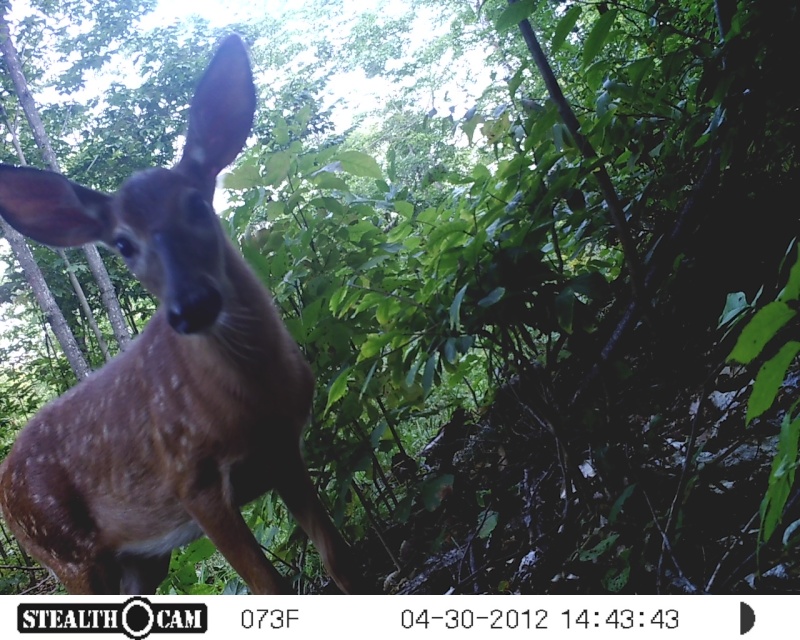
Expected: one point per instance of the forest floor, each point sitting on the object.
(661, 497)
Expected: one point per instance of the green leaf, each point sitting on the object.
(450, 352)
(257, 261)
(558, 136)
(769, 380)
(615, 581)
(616, 508)
(590, 555)
(277, 168)
(592, 285)
(565, 309)
(427, 375)
(243, 177)
(371, 299)
(327, 180)
(201, 590)
(781, 478)
(792, 289)
(789, 539)
(735, 303)
(390, 247)
(468, 126)
(373, 262)
(429, 215)
(455, 308)
(403, 510)
(488, 523)
(197, 551)
(448, 234)
(337, 298)
(280, 134)
(435, 490)
(464, 343)
(638, 70)
(387, 311)
(405, 209)
(275, 209)
(598, 36)
(564, 26)
(481, 172)
(357, 163)
(492, 298)
(327, 203)
(412, 373)
(373, 345)
(515, 82)
(515, 13)
(338, 388)
(603, 103)
(760, 330)
(367, 380)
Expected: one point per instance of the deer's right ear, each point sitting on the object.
(221, 114)
(50, 209)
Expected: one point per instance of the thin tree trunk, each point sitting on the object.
(96, 266)
(46, 301)
(87, 310)
(38, 285)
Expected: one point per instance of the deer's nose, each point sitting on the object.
(195, 310)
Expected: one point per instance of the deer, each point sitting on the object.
(205, 410)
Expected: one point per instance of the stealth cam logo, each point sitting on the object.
(137, 618)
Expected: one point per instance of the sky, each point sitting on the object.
(217, 12)
(352, 93)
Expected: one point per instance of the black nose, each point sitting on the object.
(195, 311)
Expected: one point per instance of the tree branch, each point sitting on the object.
(585, 147)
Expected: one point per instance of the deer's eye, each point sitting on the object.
(125, 247)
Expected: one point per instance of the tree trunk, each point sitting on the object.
(46, 301)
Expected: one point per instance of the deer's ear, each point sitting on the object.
(221, 115)
(48, 208)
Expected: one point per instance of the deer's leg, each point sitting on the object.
(95, 574)
(298, 492)
(51, 520)
(141, 575)
(82, 581)
(222, 522)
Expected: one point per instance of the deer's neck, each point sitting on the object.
(248, 355)
(249, 332)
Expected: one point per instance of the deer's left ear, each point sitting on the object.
(50, 209)
(221, 115)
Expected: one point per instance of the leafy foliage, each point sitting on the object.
(765, 327)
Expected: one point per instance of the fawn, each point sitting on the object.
(204, 411)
